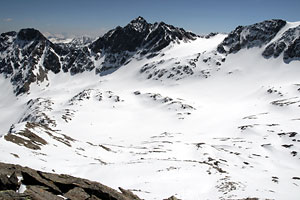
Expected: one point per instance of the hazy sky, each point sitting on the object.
(95, 17)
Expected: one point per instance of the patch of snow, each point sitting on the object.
(22, 188)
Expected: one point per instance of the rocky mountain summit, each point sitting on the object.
(139, 35)
(138, 38)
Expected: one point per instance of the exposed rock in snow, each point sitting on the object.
(288, 43)
(255, 35)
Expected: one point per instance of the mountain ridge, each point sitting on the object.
(119, 45)
(76, 59)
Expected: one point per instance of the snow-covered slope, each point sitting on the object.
(193, 119)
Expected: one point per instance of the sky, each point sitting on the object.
(96, 17)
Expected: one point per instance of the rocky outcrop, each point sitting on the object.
(288, 44)
(261, 35)
(18, 182)
(255, 35)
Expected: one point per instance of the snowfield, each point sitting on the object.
(227, 131)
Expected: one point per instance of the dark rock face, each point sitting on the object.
(30, 34)
(292, 52)
(288, 44)
(22, 51)
(47, 186)
(11, 33)
(10, 183)
(260, 34)
(51, 62)
(255, 35)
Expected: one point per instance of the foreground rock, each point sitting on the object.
(22, 183)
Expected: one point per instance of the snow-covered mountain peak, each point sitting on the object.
(139, 20)
(140, 35)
